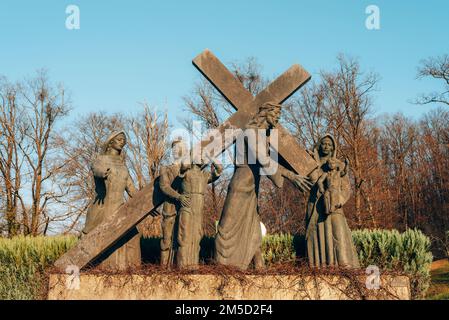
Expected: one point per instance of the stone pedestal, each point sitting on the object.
(219, 287)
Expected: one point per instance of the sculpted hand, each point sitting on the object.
(185, 200)
(302, 183)
(218, 168)
(321, 189)
(107, 172)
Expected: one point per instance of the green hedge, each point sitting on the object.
(408, 252)
(279, 248)
(23, 260)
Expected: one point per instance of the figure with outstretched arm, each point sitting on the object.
(239, 239)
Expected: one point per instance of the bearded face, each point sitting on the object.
(273, 117)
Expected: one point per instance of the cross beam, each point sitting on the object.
(149, 198)
(247, 105)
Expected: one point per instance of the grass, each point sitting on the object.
(439, 287)
(23, 261)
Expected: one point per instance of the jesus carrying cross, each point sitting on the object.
(239, 238)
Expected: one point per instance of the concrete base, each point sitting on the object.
(219, 287)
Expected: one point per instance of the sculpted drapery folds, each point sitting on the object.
(112, 179)
(247, 105)
(328, 237)
(190, 229)
(239, 239)
(170, 185)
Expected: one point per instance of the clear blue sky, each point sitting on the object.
(128, 51)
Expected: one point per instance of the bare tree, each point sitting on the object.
(399, 141)
(433, 173)
(436, 68)
(10, 159)
(348, 102)
(282, 211)
(305, 115)
(148, 133)
(45, 105)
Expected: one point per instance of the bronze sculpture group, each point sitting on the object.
(239, 239)
(110, 233)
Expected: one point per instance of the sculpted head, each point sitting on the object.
(267, 117)
(115, 143)
(332, 164)
(118, 142)
(179, 149)
(327, 147)
(272, 112)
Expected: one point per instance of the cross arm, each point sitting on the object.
(242, 100)
(222, 79)
(109, 232)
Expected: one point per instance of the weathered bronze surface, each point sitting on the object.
(170, 186)
(111, 181)
(110, 231)
(190, 232)
(329, 240)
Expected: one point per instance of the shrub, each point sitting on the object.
(278, 248)
(408, 252)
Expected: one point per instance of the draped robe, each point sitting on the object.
(239, 236)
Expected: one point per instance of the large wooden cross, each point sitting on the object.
(149, 198)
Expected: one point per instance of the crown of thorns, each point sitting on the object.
(270, 106)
